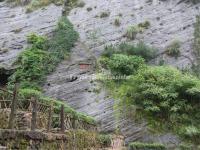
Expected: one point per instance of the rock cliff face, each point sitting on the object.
(15, 25)
(169, 20)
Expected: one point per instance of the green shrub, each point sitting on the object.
(104, 14)
(164, 91)
(132, 31)
(117, 22)
(43, 55)
(110, 50)
(191, 132)
(40, 59)
(34, 64)
(139, 49)
(36, 4)
(104, 62)
(37, 41)
(174, 49)
(62, 41)
(146, 146)
(28, 93)
(125, 65)
(144, 25)
(105, 140)
(186, 147)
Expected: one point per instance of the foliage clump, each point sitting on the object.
(191, 133)
(124, 65)
(146, 146)
(133, 30)
(139, 49)
(105, 140)
(164, 95)
(43, 55)
(117, 21)
(104, 14)
(40, 59)
(145, 25)
(165, 92)
(174, 49)
(32, 5)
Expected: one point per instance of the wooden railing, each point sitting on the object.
(32, 105)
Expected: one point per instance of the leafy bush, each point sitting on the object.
(36, 4)
(105, 140)
(174, 49)
(40, 59)
(144, 25)
(146, 146)
(125, 65)
(191, 132)
(163, 91)
(186, 147)
(139, 49)
(104, 14)
(133, 30)
(117, 22)
(34, 65)
(62, 40)
(36, 41)
(164, 96)
(43, 55)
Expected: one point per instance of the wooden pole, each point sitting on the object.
(13, 108)
(73, 123)
(49, 118)
(34, 114)
(62, 123)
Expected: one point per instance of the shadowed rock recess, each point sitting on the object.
(170, 20)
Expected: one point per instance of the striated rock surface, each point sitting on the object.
(170, 20)
(77, 87)
(15, 25)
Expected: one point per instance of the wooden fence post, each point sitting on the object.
(34, 114)
(49, 118)
(73, 123)
(62, 117)
(13, 108)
